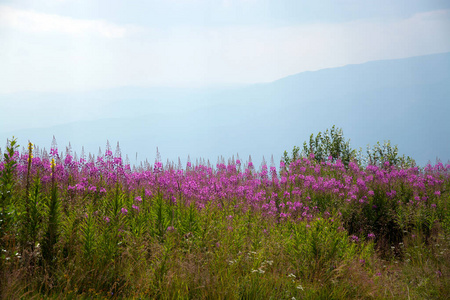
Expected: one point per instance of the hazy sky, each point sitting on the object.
(79, 45)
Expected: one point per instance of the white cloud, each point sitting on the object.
(209, 56)
(30, 21)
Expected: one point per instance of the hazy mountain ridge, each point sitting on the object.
(404, 100)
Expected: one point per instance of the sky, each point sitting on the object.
(84, 45)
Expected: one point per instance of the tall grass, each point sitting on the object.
(314, 230)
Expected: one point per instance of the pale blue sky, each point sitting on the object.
(81, 45)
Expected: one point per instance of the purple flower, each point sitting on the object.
(138, 199)
(433, 205)
(106, 219)
(54, 152)
(371, 236)
(354, 238)
(170, 228)
(124, 211)
(135, 207)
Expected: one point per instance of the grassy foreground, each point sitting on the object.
(93, 228)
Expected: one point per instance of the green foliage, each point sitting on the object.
(189, 222)
(294, 156)
(379, 154)
(7, 210)
(7, 179)
(113, 245)
(52, 230)
(330, 143)
(7, 184)
(88, 235)
(318, 248)
(32, 217)
(162, 216)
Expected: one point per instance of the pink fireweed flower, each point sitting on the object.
(433, 205)
(124, 211)
(170, 228)
(371, 236)
(138, 199)
(230, 217)
(437, 193)
(238, 162)
(54, 152)
(273, 171)
(354, 238)
(106, 219)
(158, 167)
(135, 207)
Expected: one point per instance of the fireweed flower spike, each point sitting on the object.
(303, 194)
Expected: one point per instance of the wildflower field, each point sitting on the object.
(328, 228)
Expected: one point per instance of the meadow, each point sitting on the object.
(317, 225)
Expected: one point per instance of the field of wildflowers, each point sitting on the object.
(313, 229)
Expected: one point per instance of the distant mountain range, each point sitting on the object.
(406, 101)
